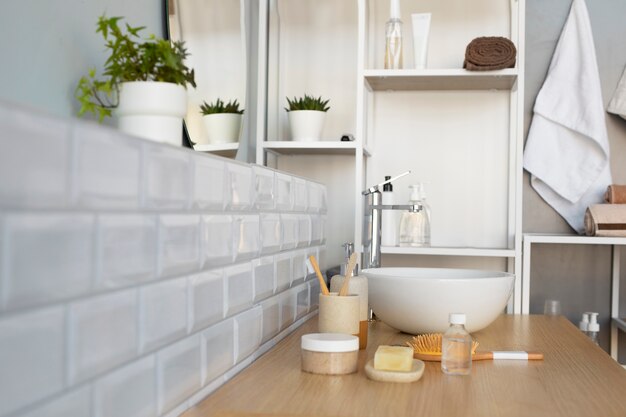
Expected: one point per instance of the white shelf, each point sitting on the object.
(620, 323)
(440, 79)
(450, 251)
(323, 147)
(226, 149)
(573, 239)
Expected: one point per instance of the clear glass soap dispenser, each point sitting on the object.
(393, 38)
(415, 225)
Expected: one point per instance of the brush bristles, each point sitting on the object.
(430, 343)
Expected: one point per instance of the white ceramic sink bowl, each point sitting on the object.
(418, 300)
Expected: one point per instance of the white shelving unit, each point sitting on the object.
(617, 322)
(228, 150)
(457, 129)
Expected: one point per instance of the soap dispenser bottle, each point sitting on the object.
(415, 224)
(393, 38)
(389, 222)
(358, 286)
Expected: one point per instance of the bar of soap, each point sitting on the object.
(393, 358)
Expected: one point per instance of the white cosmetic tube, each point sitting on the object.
(421, 28)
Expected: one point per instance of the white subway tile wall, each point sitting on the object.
(136, 278)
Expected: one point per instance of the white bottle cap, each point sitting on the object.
(394, 12)
(417, 191)
(584, 324)
(457, 318)
(594, 326)
(330, 342)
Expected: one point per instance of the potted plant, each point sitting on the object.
(144, 82)
(222, 121)
(306, 117)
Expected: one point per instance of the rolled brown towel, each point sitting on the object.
(615, 194)
(489, 53)
(606, 220)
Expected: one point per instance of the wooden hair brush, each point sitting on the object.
(427, 347)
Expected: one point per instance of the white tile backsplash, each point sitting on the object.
(129, 270)
(126, 249)
(163, 313)
(76, 403)
(178, 373)
(246, 235)
(271, 318)
(314, 294)
(289, 225)
(32, 347)
(283, 190)
(217, 240)
(283, 271)
(300, 194)
(264, 187)
(48, 257)
(167, 178)
(179, 244)
(218, 350)
(270, 233)
(263, 270)
(107, 168)
(129, 391)
(103, 333)
(240, 186)
(287, 309)
(206, 299)
(238, 287)
(302, 300)
(249, 331)
(35, 161)
(210, 184)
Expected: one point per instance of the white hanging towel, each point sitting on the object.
(567, 151)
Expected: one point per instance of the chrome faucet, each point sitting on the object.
(372, 225)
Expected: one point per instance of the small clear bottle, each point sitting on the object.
(456, 347)
(393, 38)
(593, 330)
(415, 226)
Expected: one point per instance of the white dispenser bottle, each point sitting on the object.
(393, 37)
(415, 225)
(456, 347)
(389, 222)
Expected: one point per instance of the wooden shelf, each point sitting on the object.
(450, 251)
(323, 147)
(440, 79)
(228, 150)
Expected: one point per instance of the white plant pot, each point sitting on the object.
(306, 125)
(221, 128)
(152, 110)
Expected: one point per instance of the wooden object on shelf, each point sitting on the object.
(558, 386)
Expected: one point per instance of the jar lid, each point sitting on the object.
(330, 342)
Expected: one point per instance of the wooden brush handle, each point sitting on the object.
(349, 269)
(320, 278)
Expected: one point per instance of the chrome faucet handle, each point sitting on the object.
(376, 187)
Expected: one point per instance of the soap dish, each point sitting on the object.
(416, 372)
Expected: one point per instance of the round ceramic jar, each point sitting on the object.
(330, 353)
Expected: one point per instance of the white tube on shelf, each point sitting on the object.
(421, 29)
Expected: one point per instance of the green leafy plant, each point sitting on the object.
(131, 58)
(307, 103)
(220, 107)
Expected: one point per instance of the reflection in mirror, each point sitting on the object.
(215, 36)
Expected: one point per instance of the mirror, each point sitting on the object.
(215, 35)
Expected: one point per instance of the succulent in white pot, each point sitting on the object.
(306, 117)
(144, 86)
(222, 122)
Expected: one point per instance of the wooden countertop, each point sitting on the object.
(576, 378)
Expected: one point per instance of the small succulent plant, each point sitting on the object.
(307, 103)
(220, 107)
